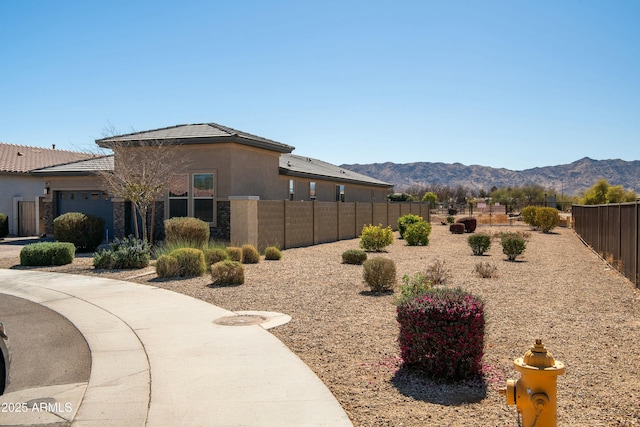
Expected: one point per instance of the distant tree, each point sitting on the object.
(431, 198)
(602, 193)
(533, 193)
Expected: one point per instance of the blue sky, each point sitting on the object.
(513, 84)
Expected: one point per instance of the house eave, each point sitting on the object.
(299, 174)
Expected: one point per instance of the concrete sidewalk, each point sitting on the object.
(158, 359)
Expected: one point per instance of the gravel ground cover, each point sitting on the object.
(586, 313)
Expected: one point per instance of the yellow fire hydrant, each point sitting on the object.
(534, 394)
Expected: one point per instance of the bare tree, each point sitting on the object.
(142, 174)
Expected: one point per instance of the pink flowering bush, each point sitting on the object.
(442, 334)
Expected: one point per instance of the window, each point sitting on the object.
(203, 192)
(179, 195)
(312, 190)
(192, 198)
(291, 190)
(339, 193)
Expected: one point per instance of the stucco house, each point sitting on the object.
(221, 164)
(22, 193)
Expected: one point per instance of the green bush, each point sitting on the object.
(480, 243)
(123, 253)
(214, 255)
(272, 253)
(406, 220)
(354, 256)
(529, 214)
(375, 238)
(84, 231)
(547, 219)
(380, 274)
(513, 245)
(412, 287)
(235, 253)
(442, 333)
(437, 273)
(4, 225)
(191, 261)
(167, 266)
(47, 253)
(417, 234)
(451, 219)
(250, 254)
(227, 273)
(187, 229)
(457, 228)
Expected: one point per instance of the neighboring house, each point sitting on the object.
(220, 164)
(77, 187)
(21, 193)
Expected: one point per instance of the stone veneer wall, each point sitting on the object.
(222, 230)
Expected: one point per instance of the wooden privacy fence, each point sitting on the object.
(612, 231)
(290, 224)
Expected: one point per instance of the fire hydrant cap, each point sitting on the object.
(539, 358)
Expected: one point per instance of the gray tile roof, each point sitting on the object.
(82, 167)
(23, 159)
(291, 164)
(203, 133)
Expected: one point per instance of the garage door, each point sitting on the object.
(95, 203)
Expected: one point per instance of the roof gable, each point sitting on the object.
(23, 159)
(203, 133)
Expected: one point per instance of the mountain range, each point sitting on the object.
(569, 179)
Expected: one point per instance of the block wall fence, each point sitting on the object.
(288, 224)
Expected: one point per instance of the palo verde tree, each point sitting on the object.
(142, 173)
(602, 193)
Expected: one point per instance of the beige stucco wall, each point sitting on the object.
(326, 190)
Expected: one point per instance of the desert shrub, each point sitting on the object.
(213, 255)
(437, 273)
(375, 238)
(4, 225)
(485, 270)
(406, 220)
(47, 253)
(479, 243)
(235, 253)
(189, 229)
(84, 231)
(250, 254)
(123, 253)
(457, 228)
(227, 273)
(380, 274)
(354, 256)
(191, 261)
(451, 219)
(167, 266)
(417, 234)
(272, 253)
(547, 219)
(513, 245)
(529, 214)
(442, 333)
(413, 287)
(470, 224)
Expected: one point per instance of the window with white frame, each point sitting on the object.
(203, 194)
(312, 190)
(192, 195)
(179, 195)
(291, 190)
(339, 193)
